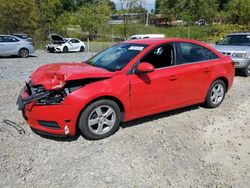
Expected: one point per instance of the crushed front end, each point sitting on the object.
(45, 110)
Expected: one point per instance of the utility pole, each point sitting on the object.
(147, 19)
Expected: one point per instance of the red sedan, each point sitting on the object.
(126, 81)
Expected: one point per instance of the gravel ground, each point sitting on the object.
(189, 147)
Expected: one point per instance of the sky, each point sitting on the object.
(149, 4)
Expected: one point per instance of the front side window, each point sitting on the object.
(189, 53)
(160, 57)
(117, 56)
(237, 40)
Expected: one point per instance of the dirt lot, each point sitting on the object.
(190, 147)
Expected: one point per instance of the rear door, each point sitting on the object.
(11, 45)
(194, 66)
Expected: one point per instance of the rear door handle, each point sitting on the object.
(173, 77)
(206, 69)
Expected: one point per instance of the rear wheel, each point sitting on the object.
(215, 94)
(82, 49)
(65, 49)
(24, 53)
(246, 71)
(100, 119)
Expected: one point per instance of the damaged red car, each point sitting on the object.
(126, 81)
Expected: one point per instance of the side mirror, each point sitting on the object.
(145, 67)
(217, 42)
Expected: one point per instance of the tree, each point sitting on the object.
(93, 19)
(21, 18)
(167, 9)
(192, 10)
(239, 11)
(47, 11)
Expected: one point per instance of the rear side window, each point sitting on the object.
(189, 53)
(10, 39)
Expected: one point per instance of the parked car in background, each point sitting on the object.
(144, 36)
(129, 80)
(11, 45)
(23, 36)
(60, 44)
(237, 46)
(200, 22)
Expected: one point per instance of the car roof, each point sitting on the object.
(240, 33)
(152, 41)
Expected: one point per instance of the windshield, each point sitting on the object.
(237, 40)
(117, 56)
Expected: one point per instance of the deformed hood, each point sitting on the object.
(54, 76)
(55, 37)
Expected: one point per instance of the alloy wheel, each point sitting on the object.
(217, 94)
(102, 119)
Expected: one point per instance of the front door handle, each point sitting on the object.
(173, 77)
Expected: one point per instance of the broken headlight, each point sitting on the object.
(54, 97)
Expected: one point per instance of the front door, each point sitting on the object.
(156, 90)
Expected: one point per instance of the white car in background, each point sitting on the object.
(60, 44)
(144, 36)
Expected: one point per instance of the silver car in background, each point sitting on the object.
(237, 46)
(11, 45)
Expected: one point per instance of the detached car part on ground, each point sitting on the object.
(60, 44)
(11, 45)
(129, 80)
(237, 46)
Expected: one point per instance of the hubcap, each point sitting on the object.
(217, 94)
(24, 53)
(101, 119)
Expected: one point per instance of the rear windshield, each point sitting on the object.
(237, 40)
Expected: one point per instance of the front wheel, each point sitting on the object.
(100, 119)
(65, 49)
(246, 71)
(215, 94)
(82, 49)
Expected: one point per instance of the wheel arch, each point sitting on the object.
(115, 99)
(224, 79)
(23, 48)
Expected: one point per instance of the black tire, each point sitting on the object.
(94, 126)
(65, 49)
(246, 71)
(23, 53)
(214, 99)
(82, 49)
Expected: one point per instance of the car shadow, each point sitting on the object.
(16, 57)
(124, 125)
(58, 138)
(158, 116)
